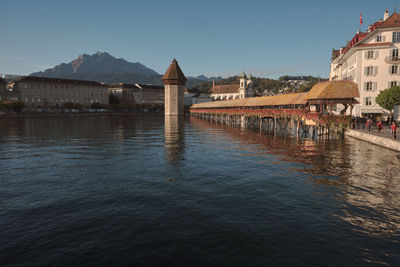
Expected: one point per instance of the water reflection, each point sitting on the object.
(174, 138)
(365, 177)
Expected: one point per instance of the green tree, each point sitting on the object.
(389, 98)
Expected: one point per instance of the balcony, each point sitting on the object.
(393, 60)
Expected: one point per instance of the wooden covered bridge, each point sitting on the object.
(316, 110)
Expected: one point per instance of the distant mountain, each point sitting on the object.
(96, 63)
(102, 67)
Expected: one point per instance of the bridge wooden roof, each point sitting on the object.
(338, 90)
(333, 90)
(278, 100)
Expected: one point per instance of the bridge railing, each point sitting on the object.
(297, 114)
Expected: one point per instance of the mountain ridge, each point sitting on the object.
(103, 67)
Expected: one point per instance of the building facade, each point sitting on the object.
(3, 85)
(371, 59)
(129, 94)
(194, 96)
(40, 92)
(152, 94)
(137, 93)
(233, 91)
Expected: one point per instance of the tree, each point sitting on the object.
(389, 98)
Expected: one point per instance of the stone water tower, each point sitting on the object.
(174, 83)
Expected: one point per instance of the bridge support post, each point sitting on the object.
(298, 125)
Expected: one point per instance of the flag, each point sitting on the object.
(361, 22)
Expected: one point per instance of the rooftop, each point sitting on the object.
(321, 91)
(225, 89)
(174, 74)
(58, 80)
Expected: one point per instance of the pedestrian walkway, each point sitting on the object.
(383, 133)
(375, 137)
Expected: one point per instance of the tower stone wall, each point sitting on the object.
(174, 84)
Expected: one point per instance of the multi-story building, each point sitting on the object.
(194, 96)
(152, 94)
(138, 93)
(371, 59)
(233, 91)
(129, 94)
(40, 92)
(3, 85)
(13, 77)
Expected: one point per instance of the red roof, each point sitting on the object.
(225, 89)
(392, 21)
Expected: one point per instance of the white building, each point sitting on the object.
(371, 60)
(194, 96)
(233, 91)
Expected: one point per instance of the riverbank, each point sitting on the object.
(393, 144)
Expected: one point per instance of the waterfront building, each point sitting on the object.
(129, 94)
(151, 94)
(371, 59)
(40, 92)
(194, 96)
(233, 91)
(13, 77)
(137, 93)
(3, 85)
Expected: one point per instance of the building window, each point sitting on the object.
(392, 83)
(396, 37)
(393, 69)
(370, 70)
(395, 54)
(379, 39)
(368, 86)
(370, 54)
(368, 101)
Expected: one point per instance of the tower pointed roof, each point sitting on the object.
(174, 74)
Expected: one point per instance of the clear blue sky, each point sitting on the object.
(266, 38)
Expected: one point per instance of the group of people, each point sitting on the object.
(391, 126)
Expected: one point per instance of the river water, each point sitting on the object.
(141, 190)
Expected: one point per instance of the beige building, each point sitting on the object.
(137, 93)
(129, 94)
(371, 59)
(39, 92)
(233, 91)
(152, 94)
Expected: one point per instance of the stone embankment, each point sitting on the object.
(379, 140)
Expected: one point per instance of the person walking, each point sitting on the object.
(379, 126)
(369, 125)
(394, 129)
